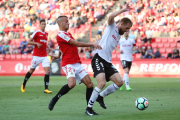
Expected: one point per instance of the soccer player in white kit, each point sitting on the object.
(126, 46)
(39, 40)
(101, 62)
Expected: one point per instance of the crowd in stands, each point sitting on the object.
(152, 21)
(19, 19)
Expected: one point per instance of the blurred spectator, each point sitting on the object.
(29, 49)
(22, 46)
(15, 50)
(135, 50)
(148, 44)
(142, 46)
(149, 53)
(88, 53)
(6, 48)
(118, 7)
(143, 36)
(101, 28)
(1, 28)
(157, 54)
(1, 38)
(81, 52)
(143, 53)
(1, 48)
(175, 53)
(132, 35)
(149, 34)
(6, 38)
(11, 47)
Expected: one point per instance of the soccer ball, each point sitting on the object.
(141, 103)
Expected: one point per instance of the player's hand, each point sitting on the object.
(121, 52)
(97, 46)
(39, 45)
(127, 7)
(52, 57)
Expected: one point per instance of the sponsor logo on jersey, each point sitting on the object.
(43, 41)
(66, 37)
(40, 35)
(115, 38)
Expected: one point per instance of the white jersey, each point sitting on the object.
(109, 42)
(126, 46)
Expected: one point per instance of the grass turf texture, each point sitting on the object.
(163, 95)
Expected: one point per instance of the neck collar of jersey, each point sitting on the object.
(42, 31)
(63, 31)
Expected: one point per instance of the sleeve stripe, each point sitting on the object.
(64, 37)
(32, 36)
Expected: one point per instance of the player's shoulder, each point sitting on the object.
(131, 39)
(46, 32)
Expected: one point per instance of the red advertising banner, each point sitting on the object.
(140, 68)
(144, 68)
(18, 67)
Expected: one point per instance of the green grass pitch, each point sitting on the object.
(163, 95)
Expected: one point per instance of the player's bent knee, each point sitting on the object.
(119, 83)
(101, 84)
(90, 85)
(71, 85)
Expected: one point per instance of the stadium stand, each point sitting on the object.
(19, 19)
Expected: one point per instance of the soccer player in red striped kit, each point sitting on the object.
(71, 63)
(39, 40)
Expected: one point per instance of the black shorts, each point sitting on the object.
(126, 64)
(99, 65)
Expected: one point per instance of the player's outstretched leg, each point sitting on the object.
(28, 75)
(65, 89)
(46, 82)
(126, 79)
(87, 81)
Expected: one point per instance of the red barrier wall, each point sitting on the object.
(140, 68)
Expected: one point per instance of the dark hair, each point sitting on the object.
(42, 21)
(126, 20)
(62, 16)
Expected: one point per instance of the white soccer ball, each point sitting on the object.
(141, 103)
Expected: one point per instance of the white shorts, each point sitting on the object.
(43, 60)
(75, 70)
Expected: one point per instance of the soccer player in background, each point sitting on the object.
(101, 62)
(39, 40)
(70, 62)
(126, 46)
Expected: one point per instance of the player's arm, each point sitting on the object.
(31, 42)
(116, 13)
(81, 44)
(120, 51)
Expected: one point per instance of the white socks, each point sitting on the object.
(110, 89)
(126, 79)
(94, 96)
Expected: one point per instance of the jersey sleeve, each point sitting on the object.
(133, 42)
(63, 38)
(34, 35)
(112, 25)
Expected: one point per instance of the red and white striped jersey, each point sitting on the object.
(69, 52)
(40, 37)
